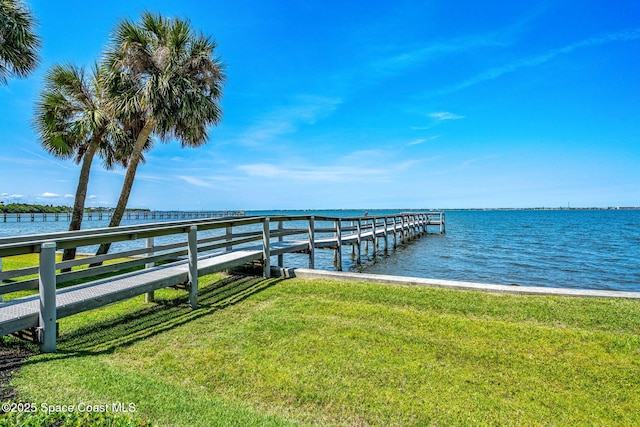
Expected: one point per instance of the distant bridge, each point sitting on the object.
(130, 214)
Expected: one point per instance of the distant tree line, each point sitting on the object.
(29, 208)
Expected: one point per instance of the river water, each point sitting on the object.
(588, 249)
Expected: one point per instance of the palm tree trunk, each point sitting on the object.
(129, 177)
(81, 194)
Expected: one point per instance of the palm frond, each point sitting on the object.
(162, 69)
(18, 49)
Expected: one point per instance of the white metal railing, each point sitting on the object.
(222, 235)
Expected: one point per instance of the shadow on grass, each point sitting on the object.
(106, 336)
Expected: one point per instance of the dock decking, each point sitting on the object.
(234, 247)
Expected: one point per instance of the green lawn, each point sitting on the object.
(310, 352)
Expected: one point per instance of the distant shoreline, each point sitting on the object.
(610, 208)
(23, 208)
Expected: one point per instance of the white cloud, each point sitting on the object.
(445, 115)
(422, 140)
(417, 141)
(194, 181)
(12, 196)
(68, 196)
(92, 197)
(47, 194)
(261, 169)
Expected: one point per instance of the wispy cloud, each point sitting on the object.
(417, 142)
(359, 166)
(494, 73)
(48, 194)
(399, 62)
(422, 140)
(305, 110)
(194, 181)
(402, 58)
(312, 173)
(467, 164)
(32, 160)
(437, 118)
(12, 196)
(445, 115)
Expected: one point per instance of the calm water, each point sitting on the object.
(578, 249)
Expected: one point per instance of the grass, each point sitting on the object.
(311, 352)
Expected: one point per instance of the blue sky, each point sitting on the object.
(377, 104)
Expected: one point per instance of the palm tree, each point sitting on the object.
(73, 120)
(18, 42)
(165, 81)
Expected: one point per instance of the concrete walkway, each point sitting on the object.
(305, 273)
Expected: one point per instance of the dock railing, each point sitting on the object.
(206, 245)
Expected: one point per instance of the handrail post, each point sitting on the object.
(149, 296)
(412, 218)
(339, 241)
(280, 239)
(359, 241)
(353, 248)
(228, 238)
(266, 249)
(312, 237)
(386, 235)
(375, 237)
(442, 226)
(395, 238)
(193, 266)
(47, 288)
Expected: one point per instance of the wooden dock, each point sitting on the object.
(207, 246)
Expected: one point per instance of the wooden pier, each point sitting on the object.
(204, 246)
(106, 215)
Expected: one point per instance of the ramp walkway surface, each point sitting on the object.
(23, 313)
